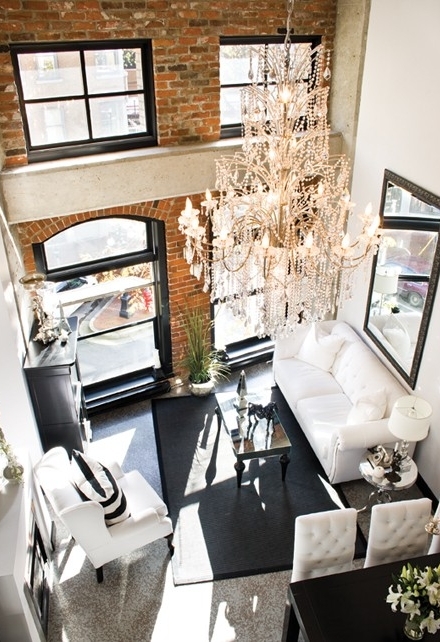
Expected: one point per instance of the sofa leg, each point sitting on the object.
(100, 574)
(169, 539)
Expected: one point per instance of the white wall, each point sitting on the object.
(399, 130)
(18, 424)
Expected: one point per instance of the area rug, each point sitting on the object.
(221, 531)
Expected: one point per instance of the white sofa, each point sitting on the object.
(340, 393)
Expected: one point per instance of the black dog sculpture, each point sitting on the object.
(257, 411)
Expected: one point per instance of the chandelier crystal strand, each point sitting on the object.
(277, 230)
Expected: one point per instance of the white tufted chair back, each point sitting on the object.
(324, 543)
(397, 531)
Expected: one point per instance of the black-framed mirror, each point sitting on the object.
(404, 274)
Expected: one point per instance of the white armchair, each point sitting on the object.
(85, 521)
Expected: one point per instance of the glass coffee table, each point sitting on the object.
(251, 439)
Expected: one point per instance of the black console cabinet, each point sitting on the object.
(54, 382)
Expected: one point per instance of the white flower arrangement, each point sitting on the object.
(416, 592)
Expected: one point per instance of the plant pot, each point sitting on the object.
(13, 473)
(201, 389)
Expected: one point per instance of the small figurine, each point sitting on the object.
(241, 400)
(257, 412)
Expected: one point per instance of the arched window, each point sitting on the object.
(111, 274)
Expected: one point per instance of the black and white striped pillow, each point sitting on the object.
(94, 481)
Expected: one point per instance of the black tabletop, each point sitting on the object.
(351, 606)
(52, 354)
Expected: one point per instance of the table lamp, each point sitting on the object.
(409, 421)
(385, 282)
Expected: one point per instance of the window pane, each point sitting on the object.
(410, 254)
(234, 64)
(49, 75)
(57, 122)
(409, 251)
(230, 106)
(117, 310)
(113, 70)
(109, 299)
(230, 329)
(400, 202)
(95, 240)
(117, 116)
(116, 353)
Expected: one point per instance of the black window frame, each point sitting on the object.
(155, 252)
(37, 153)
(235, 130)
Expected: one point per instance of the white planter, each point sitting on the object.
(202, 389)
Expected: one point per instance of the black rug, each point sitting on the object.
(221, 531)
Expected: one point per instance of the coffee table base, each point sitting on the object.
(269, 444)
(239, 468)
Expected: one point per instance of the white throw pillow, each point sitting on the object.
(368, 407)
(319, 349)
(398, 336)
(94, 481)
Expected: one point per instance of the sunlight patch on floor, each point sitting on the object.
(112, 448)
(223, 631)
(184, 610)
(74, 564)
(332, 492)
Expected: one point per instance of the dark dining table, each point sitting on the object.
(349, 606)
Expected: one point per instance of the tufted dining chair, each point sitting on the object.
(324, 543)
(101, 535)
(397, 531)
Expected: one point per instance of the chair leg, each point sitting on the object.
(169, 539)
(100, 574)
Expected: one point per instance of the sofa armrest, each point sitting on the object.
(365, 435)
(137, 523)
(86, 523)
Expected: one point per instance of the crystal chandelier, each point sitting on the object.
(278, 229)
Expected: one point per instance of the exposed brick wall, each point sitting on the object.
(185, 37)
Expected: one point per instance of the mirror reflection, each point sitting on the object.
(404, 275)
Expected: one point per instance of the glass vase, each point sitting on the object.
(412, 629)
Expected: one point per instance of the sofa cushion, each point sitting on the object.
(368, 407)
(320, 418)
(319, 349)
(359, 372)
(95, 482)
(299, 380)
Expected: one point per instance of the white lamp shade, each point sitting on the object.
(410, 418)
(385, 283)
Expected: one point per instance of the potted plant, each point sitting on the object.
(202, 362)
